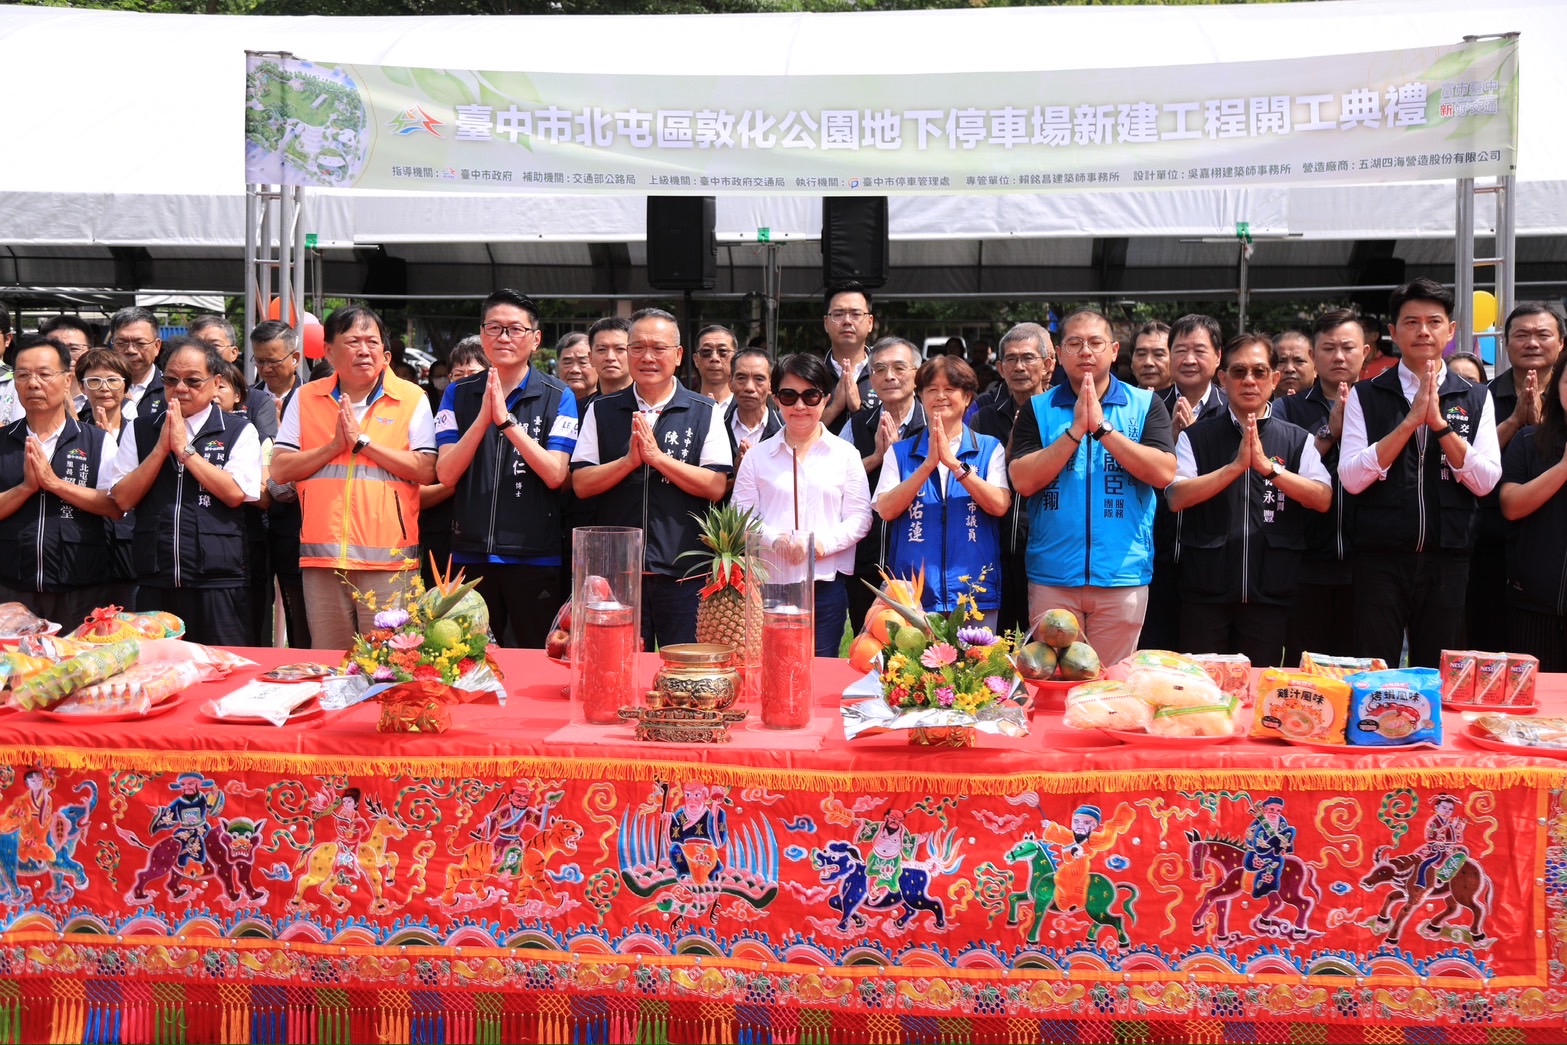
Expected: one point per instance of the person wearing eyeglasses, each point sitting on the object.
(1193, 394)
(76, 334)
(256, 406)
(942, 494)
(504, 444)
(103, 375)
(187, 474)
(1028, 361)
(133, 333)
(357, 446)
(804, 478)
(873, 431)
(848, 323)
(715, 349)
(274, 349)
(1089, 454)
(54, 492)
(655, 455)
(1244, 483)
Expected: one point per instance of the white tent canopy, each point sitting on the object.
(127, 170)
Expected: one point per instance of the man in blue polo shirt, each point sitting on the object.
(504, 441)
(1089, 454)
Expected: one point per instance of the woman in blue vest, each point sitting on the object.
(943, 492)
(804, 478)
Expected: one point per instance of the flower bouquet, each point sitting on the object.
(942, 679)
(432, 647)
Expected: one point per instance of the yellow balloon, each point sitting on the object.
(1484, 310)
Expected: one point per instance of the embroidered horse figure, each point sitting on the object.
(1041, 892)
(1469, 887)
(371, 858)
(841, 862)
(1297, 888)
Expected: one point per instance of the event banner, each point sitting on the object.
(1411, 115)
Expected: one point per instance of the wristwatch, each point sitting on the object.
(185, 453)
(360, 443)
(967, 471)
(1277, 470)
(510, 422)
(1324, 432)
(1103, 429)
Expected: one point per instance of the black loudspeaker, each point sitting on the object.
(385, 274)
(854, 240)
(682, 252)
(1377, 272)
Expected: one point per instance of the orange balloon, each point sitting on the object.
(275, 310)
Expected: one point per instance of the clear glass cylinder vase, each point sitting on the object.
(606, 634)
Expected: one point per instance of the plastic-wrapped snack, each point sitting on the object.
(1105, 704)
(1296, 705)
(1458, 676)
(1490, 677)
(1395, 707)
(59, 681)
(20, 666)
(1211, 720)
(1230, 671)
(135, 689)
(1163, 688)
(1339, 667)
(16, 619)
(271, 701)
(1154, 658)
(1524, 732)
(1521, 671)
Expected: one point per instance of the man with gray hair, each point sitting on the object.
(133, 333)
(1028, 361)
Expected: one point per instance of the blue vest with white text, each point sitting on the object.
(949, 534)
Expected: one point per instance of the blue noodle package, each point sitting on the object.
(1388, 708)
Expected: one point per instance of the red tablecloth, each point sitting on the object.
(323, 881)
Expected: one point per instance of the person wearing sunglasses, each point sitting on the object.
(188, 473)
(942, 494)
(805, 478)
(54, 483)
(1244, 481)
(655, 455)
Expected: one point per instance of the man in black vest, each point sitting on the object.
(1242, 480)
(1419, 449)
(1322, 617)
(133, 333)
(186, 473)
(848, 323)
(504, 440)
(1192, 395)
(1028, 360)
(654, 454)
(54, 492)
(897, 414)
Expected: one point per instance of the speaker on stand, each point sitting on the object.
(854, 240)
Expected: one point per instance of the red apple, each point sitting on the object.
(558, 645)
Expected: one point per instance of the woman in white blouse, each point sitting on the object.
(806, 478)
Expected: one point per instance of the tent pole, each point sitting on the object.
(1463, 266)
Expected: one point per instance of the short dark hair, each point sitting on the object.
(26, 342)
(954, 367)
(1151, 328)
(5, 320)
(102, 359)
(201, 323)
(1334, 318)
(232, 376)
(134, 314)
(514, 298)
(1079, 313)
(341, 320)
(275, 330)
(1537, 308)
(734, 360)
(608, 323)
(65, 321)
(1291, 333)
(185, 343)
(719, 328)
(468, 350)
(1195, 321)
(1471, 357)
(1246, 340)
(808, 367)
(1421, 289)
(846, 286)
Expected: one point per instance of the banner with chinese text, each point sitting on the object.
(1412, 115)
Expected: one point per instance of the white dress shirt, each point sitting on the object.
(1357, 462)
(244, 459)
(715, 448)
(1311, 466)
(993, 471)
(834, 495)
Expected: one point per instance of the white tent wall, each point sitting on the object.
(138, 145)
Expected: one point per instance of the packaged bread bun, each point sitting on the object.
(1105, 704)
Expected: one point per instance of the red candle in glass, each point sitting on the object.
(788, 646)
(605, 657)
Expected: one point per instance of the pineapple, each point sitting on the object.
(728, 599)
